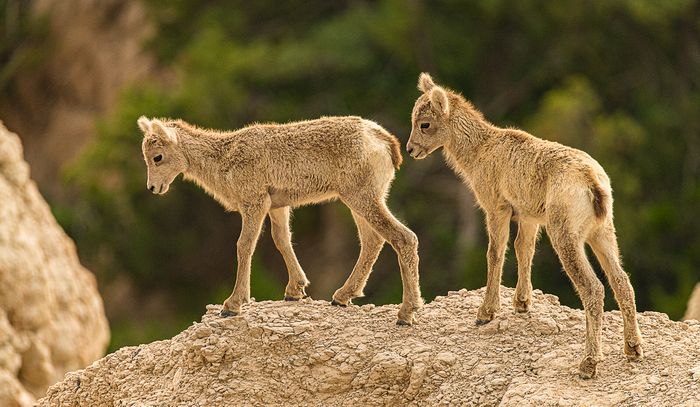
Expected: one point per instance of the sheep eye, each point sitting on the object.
(424, 125)
(158, 158)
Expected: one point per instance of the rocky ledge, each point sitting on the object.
(310, 353)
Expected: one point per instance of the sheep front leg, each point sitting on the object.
(497, 223)
(252, 219)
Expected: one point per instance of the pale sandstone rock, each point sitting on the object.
(51, 315)
(693, 310)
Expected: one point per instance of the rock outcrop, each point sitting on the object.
(693, 310)
(51, 315)
(310, 353)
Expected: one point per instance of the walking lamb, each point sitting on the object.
(516, 176)
(268, 169)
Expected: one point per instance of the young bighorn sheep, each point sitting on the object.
(268, 169)
(516, 176)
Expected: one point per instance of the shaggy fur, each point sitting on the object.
(268, 169)
(516, 176)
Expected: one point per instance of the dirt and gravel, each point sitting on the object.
(311, 353)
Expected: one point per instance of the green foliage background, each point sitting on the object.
(618, 79)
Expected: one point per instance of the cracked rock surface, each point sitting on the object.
(310, 353)
(51, 315)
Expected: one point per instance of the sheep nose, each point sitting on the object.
(152, 188)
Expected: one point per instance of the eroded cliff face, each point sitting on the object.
(51, 315)
(693, 310)
(310, 353)
(92, 50)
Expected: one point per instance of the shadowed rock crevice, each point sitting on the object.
(309, 353)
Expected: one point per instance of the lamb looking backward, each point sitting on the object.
(268, 169)
(516, 176)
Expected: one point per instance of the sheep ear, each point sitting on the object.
(438, 98)
(144, 124)
(162, 132)
(425, 82)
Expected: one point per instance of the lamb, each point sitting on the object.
(516, 176)
(269, 169)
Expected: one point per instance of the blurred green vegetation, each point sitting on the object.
(22, 41)
(618, 79)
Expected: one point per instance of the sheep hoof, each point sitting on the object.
(290, 298)
(633, 352)
(521, 307)
(401, 322)
(587, 368)
(225, 313)
(482, 321)
(338, 303)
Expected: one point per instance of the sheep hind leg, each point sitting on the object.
(604, 245)
(371, 244)
(402, 240)
(282, 236)
(524, 251)
(590, 289)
